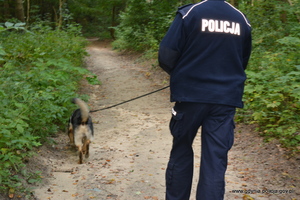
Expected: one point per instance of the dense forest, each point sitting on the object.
(42, 47)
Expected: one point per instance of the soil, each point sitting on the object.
(132, 142)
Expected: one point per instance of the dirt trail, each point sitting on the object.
(132, 143)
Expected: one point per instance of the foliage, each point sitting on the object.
(39, 73)
(273, 99)
(272, 92)
(98, 18)
(143, 24)
(16, 26)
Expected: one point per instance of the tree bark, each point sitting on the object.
(60, 18)
(6, 9)
(113, 22)
(28, 12)
(20, 10)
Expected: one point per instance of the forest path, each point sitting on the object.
(132, 142)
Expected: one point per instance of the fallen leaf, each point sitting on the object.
(111, 181)
(110, 196)
(285, 174)
(11, 193)
(75, 195)
(247, 197)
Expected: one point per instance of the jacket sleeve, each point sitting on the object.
(247, 49)
(171, 46)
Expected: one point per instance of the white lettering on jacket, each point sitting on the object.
(220, 26)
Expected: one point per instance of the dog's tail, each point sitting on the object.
(83, 109)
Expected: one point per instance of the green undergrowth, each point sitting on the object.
(39, 74)
(272, 101)
(272, 92)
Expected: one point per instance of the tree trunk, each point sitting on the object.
(20, 10)
(60, 19)
(28, 12)
(6, 9)
(113, 22)
(59, 23)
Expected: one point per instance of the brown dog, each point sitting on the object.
(81, 131)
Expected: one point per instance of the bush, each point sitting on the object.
(272, 92)
(144, 24)
(273, 100)
(39, 73)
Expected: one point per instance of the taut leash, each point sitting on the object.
(130, 100)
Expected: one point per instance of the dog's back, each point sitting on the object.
(81, 115)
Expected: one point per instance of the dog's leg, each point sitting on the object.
(87, 150)
(80, 152)
(71, 134)
(80, 157)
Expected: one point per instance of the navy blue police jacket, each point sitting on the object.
(206, 51)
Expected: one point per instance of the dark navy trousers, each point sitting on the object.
(217, 135)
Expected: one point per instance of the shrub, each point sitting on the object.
(39, 73)
(272, 92)
(143, 24)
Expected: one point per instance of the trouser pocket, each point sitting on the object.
(176, 123)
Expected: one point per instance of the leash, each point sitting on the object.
(130, 100)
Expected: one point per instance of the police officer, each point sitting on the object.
(205, 51)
